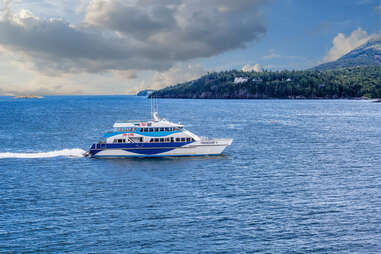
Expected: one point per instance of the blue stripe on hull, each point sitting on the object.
(149, 151)
(140, 148)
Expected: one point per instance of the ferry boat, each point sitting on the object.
(154, 138)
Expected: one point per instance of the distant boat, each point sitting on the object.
(28, 97)
(155, 138)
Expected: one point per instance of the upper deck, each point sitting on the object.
(156, 122)
(137, 124)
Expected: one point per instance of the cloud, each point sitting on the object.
(125, 74)
(118, 35)
(250, 68)
(82, 6)
(177, 74)
(342, 44)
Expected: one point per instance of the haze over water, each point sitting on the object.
(300, 176)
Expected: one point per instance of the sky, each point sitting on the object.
(75, 47)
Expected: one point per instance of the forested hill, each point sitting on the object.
(340, 83)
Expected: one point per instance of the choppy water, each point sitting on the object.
(301, 176)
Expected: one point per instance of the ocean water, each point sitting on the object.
(301, 176)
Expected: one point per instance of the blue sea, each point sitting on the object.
(301, 176)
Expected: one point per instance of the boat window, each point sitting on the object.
(182, 139)
(162, 140)
(151, 140)
(156, 140)
(188, 139)
(166, 129)
(177, 139)
(172, 139)
(141, 130)
(156, 129)
(150, 129)
(167, 139)
(115, 141)
(145, 129)
(193, 140)
(141, 139)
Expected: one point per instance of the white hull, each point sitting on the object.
(200, 148)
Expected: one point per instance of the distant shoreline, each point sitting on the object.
(270, 98)
(28, 97)
(376, 100)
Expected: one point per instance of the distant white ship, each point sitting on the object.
(155, 138)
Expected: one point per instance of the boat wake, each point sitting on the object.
(73, 153)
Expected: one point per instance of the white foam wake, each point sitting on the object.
(76, 152)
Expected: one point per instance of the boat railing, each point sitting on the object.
(130, 121)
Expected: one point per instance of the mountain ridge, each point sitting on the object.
(366, 54)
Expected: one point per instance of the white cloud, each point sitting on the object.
(342, 44)
(177, 74)
(82, 6)
(250, 68)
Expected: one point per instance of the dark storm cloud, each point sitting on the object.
(139, 35)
